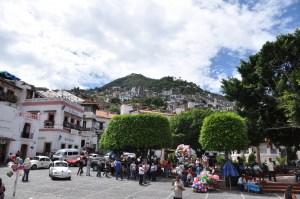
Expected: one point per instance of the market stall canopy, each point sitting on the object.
(229, 170)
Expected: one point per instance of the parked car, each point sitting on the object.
(40, 162)
(59, 169)
(66, 154)
(75, 161)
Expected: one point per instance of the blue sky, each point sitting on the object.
(62, 44)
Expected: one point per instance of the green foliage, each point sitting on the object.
(251, 158)
(269, 91)
(185, 127)
(114, 108)
(131, 132)
(115, 101)
(281, 161)
(223, 131)
(220, 159)
(154, 102)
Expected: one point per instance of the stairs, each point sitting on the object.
(269, 187)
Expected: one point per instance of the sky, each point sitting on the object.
(63, 44)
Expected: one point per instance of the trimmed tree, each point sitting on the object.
(224, 131)
(137, 132)
(185, 127)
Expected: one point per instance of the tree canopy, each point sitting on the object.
(132, 132)
(224, 131)
(185, 127)
(268, 94)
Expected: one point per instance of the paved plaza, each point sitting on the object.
(42, 187)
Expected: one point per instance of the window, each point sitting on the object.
(47, 159)
(78, 122)
(65, 153)
(75, 153)
(43, 159)
(29, 94)
(70, 146)
(26, 131)
(66, 119)
(82, 143)
(10, 92)
(51, 117)
(84, 124)
(101, 124)
(70, 153)
(62, 146)
(72, 120)
(76, 147)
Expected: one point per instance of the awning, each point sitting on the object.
(7, 138)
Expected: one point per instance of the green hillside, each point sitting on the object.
(165, 83)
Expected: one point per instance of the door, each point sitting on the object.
(47, 162)
(42, 162)
(3, 147)
(23, 151)
(47, 148)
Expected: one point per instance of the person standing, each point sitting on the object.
(27, 165)
(2, 189)
(133, 170)
(112, 167)
(88, 166)
(99, 168)
(80, 167)
(118, 169)
(153, 170)
(141, 174)
(178, 188)
(271, 169)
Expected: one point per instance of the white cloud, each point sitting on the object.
(61, 44)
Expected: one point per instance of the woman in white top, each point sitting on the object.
(141, 174)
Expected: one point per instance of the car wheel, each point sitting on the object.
(53, 178)
(33, 167)
(69, 178)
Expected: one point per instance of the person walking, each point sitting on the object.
(271, 169)
(88, 166)
(80, 167)
(112, 168)
(27, 166)
(178, 188)
(141, 174)
(106, 168)
(2, 189)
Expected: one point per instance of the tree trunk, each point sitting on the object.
(226, 155)
(258, 160)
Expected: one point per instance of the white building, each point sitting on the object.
(266, 152)
(18, 128)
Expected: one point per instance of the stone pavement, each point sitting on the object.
(84, 187)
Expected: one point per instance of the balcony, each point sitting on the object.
(69, 125)
(27, 135)
(48, 124)
(12, 98)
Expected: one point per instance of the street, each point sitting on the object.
(40, 186)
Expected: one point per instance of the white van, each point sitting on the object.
(66, 154)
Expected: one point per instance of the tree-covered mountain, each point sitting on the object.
(157, 85)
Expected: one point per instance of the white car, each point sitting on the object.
(60, 169)
(40, 162)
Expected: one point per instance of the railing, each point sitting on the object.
(48, 124)
(69, 125)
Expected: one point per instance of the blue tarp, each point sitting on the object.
(9, 76)
(229, 170)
